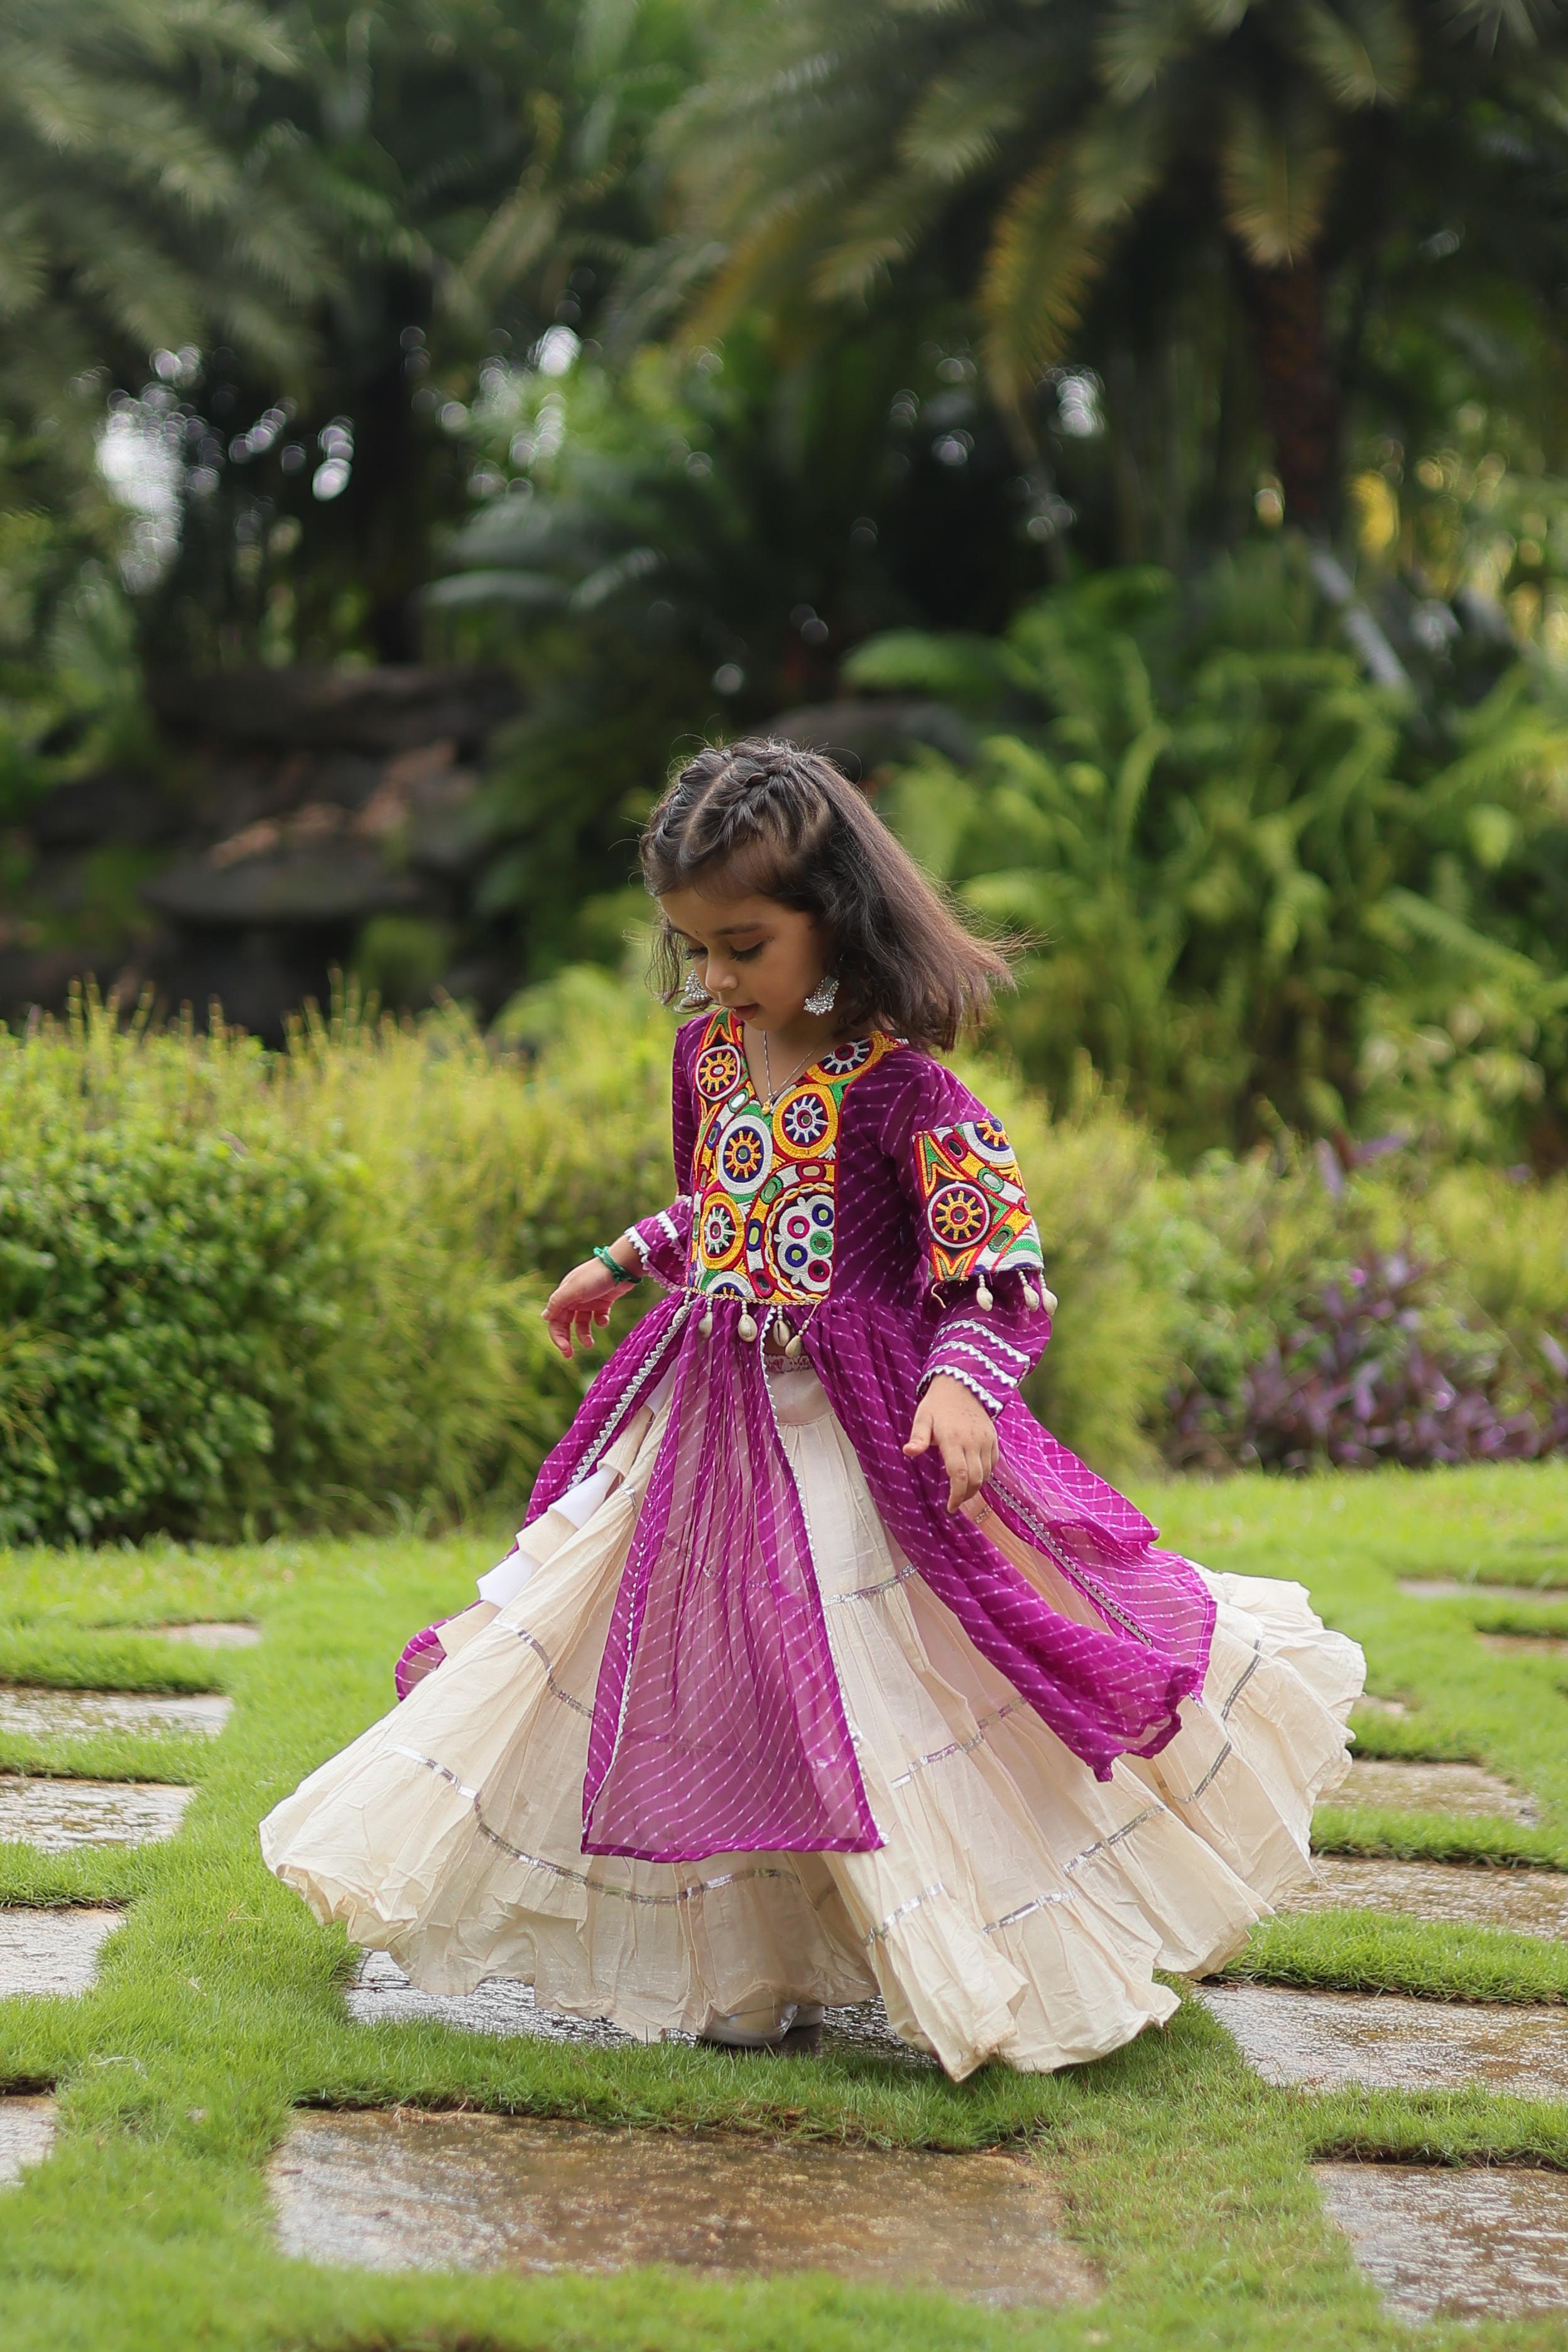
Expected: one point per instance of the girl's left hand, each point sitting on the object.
(949, 1417)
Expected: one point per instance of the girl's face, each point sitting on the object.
(758, 958)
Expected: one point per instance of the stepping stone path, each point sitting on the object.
(1524, 1645)
(53, 1952)
(1455, 1588)
(381, 1994)
(79, 1713)
(208, 1637)
(26, 2131)
(1342, 2040)
(1465, 1789)
(1482, 2244)
(55, 1815)
(1527, 1902)
(406, 2190)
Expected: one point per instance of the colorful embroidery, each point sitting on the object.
(764, 1181)
(976, 1211)
(719, 1071)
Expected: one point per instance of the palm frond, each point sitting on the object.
(23, 263)
(1499, 25)
(1042, 260)
(1119, 155)
(1143, 40)
(962, 118)
(515, 238)
(884, 227)
(1363, 52)
(1275, 175)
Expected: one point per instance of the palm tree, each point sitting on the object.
(325, 211)
(476, 164)
(131, 215)
(1081, 161)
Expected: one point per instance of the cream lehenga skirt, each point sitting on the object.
(1017, 1909)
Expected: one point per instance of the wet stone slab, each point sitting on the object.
(26, 2133)
(1467, 1788)
(1525, 1902)
(79, 1714)
(1457, 1588)
(53, 1952)
(235, 1636)
(1384, 2041)
(55, 1815)
(406, 2190)
(382, 1994)
(1443, 2244)
(1524, 1645)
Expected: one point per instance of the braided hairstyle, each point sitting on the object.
(772, 818)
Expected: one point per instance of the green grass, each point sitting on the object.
(219, 2005)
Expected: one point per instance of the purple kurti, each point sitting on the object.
(875, 1208)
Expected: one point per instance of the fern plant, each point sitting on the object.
(1256, 893)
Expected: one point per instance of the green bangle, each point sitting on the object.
(607, 1258)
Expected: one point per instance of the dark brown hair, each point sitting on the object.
(772, 818)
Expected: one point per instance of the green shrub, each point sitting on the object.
(170, 1303)
(1262, 893)
(242, 1292)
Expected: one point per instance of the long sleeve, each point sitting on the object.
(663, 1241)
(982, 1265)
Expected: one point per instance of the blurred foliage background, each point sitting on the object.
(1131, 433)
(244, 1291)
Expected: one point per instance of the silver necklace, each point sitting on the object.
(773, 1093)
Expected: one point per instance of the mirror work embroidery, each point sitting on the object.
(975, 1209)
(762, 1179)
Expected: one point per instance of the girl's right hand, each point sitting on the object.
(580, 1303)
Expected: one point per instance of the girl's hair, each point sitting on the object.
(772, 818)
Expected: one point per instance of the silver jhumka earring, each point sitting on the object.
(693, 996)
(825, 995)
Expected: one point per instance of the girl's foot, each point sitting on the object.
(807, 2013)
(751, 2029)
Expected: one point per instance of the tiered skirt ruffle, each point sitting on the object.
(1017, 1909)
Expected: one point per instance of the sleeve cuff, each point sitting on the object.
(970, 1379)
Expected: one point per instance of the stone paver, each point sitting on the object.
(406, 2190)
(1341, 2041)
(78, 1714)
(1526, 1902)
(382, 1994)
(1524, 1645)
(1372, 1703)
(235, 1636)
(55, 1815)
(26, 2130)
(1481, 2244)
(52, 1951)
(1467, 1788)
(1455, 1588)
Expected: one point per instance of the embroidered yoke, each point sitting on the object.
(877, 1210)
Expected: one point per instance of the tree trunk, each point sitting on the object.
(1298, 390)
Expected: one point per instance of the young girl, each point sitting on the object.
(820, 1669)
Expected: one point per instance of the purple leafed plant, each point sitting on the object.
(1363, 1378)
